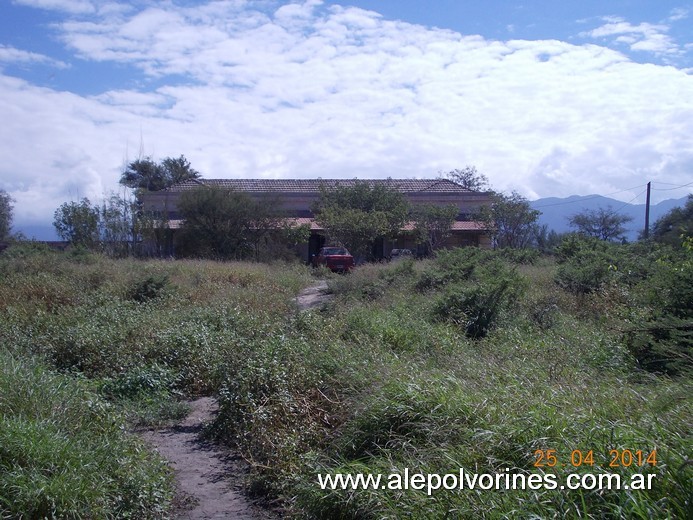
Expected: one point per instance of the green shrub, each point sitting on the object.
(153, 379)
(519, 256)
(476, 306)
(452, 265)
(586, 272)
(64, 453)
(150, 288)
(25, 249)
(663, 342)
(400, 413)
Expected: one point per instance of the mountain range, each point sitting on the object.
(555, 212)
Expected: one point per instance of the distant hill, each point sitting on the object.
(555, 211)
(36, 231)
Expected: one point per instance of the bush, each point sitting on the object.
(586, 273)
(150, 288)
(25, 249)
(476, 306)
(452, 265)
(64, 453)
(140, 381)
(664, 340)
(519, 256)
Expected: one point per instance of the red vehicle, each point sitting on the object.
(336, 259)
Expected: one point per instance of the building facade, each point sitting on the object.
(297, 197)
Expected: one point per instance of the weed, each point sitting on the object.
(64, 454)
(151, 288)
(470, 360)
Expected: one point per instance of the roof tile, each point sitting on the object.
(313, 185)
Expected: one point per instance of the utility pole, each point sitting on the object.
(647, 213)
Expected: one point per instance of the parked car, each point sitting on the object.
(336, 259)
(399, 254)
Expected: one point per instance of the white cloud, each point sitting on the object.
(679, 13)
(642, 37)
(12, 55)
(309, 91)
(67, 6)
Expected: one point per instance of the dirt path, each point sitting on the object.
(207, 478)
(313, 296)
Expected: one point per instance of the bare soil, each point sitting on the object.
(313, 296)
(208, 479)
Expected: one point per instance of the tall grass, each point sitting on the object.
(90, 345)
(64, 453)
(386, 376)
(411, 392)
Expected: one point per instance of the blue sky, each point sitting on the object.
(548, 98)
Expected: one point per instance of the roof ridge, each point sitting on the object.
(309, 185)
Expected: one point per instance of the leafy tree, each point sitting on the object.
(546, 240)
(217, 224)
(178, 170)
(360, 214)
(432, 223)
(512, 220)
(6, 212)
(224, 224)
(78, 222)
(147, 175)
(604, 224)
(675, 226)
(144, 174)
(117, 225)
(469, 178)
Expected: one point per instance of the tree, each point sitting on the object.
(223, 224)
(6, 213)
(178, 170)
(675, 226)
(144, 174)
(78, 223)
(512, 220)
(117, 225)
(147, 175)
(546, 240)
(432, 223)
(359, 214)
(469, 178)
(217, 223)
(604, 224)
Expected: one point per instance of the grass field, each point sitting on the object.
(473, 360)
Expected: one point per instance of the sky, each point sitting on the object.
(547, 98)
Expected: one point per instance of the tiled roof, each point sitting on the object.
(460, 225)
(314, 226)
(468, 225)
(313, 185)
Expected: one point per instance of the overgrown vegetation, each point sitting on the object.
(358, 214)
(379, 383)
(6, 213)
(475, 359)
(64, 454)
(225, 224)
(90, 345)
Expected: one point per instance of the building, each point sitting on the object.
(296, 197)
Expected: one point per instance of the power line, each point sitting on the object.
(630, 201)
(671, 189)
(589, 198)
